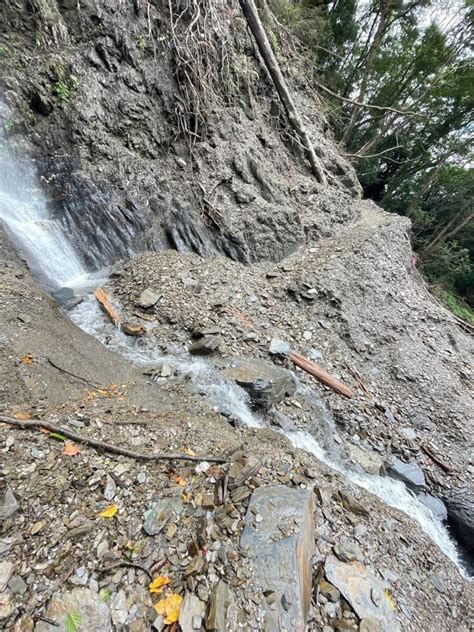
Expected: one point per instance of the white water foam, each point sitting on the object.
(24, 213)
(233, 401)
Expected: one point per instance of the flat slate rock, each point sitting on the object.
(363, 591)
(157, 516)
(409, 473)
(94, 614)
(266, 383)
(278, 539)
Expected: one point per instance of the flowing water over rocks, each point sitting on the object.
(329, 276)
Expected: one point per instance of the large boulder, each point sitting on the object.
(266, 383)
(278, 538)
(460, 506)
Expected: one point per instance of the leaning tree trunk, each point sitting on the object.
(250, 12)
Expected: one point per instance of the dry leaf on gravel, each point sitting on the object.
(109, 512)
(169, 608)
(181, 481)
(71, 450)
(27, 359)
(21, 416)
(158, 583)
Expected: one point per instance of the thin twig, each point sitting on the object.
(107, 569)
(436, 459)
(77, 377)
(29, 424)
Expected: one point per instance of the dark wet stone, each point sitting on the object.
(266, 383)
(409, 473)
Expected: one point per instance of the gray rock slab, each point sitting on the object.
(278, 538)
(371, 462)
(148, 298)
(409, 473)
(266, 383)
(93, 612)
(8, 504)
(158, 515)
(436, 505)
(362, 590)
(191, 613)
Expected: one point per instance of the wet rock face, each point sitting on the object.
(279, 539)
(266, 383)
(460, 506)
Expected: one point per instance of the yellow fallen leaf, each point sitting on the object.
(70, 449)
(21, 416)
(109, 512)
(190, 452)
(181, 481)
(27, 359)
(158, 583)
(390, 599)
(169, 608)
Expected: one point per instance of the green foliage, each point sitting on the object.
(457, 306)
(105, 594)
(66, 88)
(8, 125)
(3, 51)
(414, 161)
(73, 621)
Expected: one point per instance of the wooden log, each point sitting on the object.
(250, 12)
(320, 374)
(107, 307)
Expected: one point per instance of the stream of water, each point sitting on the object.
(42, 240)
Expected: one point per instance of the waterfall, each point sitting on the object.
(26, 218)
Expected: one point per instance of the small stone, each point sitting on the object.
(17, 585)
(239, 494)
(6, 569)
(409, 473)
(110, 488)
(118, 608)
(329, 591)
(279, 347)
(218, 605)
(191, 613)
(132, 329)
(8, 504)
(166, 371)
(148, 298)
(204, 346)
(159, 514)
(307, 335)
(348, 551)
(6, 605)
(94, 613)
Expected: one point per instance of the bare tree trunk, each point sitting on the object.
(250, 12)
(447, 234)
(385, 14)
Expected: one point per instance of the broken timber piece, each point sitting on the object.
(320, 374)
(106, 306)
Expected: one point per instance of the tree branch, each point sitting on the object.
(30, 424)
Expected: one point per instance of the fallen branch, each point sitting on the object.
(320, 374)
(122, 563)
(250, 12)
(436, 459)
(29, 424)
(107, 307)
(369, 106)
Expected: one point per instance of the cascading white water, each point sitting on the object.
(233, 401)
(24, 214)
